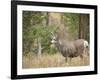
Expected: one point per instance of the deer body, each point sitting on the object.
(70, 49)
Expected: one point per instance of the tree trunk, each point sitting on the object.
(39, 47)
(45, 21)
(84, 26)
(54, 19)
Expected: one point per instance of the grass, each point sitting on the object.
(54, 60)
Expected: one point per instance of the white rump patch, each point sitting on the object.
(86, 43)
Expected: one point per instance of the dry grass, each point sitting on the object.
(56, 60)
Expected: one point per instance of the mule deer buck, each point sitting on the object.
(68, 48)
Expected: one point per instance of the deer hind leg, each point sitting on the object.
(86, 51)
(82, 60)
(81, 56)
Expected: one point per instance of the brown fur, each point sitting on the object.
(68, 48)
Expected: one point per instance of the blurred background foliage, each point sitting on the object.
(72, 23)
(37, 28)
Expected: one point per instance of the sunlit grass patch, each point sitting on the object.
(54, 60)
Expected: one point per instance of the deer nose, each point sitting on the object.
(53, 41)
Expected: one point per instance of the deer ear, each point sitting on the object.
(51, 34)
(54, 35)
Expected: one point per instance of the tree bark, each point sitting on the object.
(84, 26)
(54, 19)
(39, 47)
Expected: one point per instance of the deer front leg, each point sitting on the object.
(66, 59)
